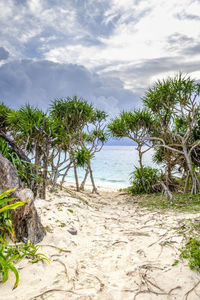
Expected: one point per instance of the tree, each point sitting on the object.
(72, 115)
(92, 141)
(136, 126)
(31, 129)
(175, 103)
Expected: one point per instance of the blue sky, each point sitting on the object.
(108, 52)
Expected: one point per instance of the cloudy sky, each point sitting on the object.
(106, 51)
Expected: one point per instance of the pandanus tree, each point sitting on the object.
(14, 169)
(73, 115)
(32, 130)
(5, 132)
(136, 126)
(92, 140)
(175, 103)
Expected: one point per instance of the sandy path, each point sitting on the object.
(120, 252)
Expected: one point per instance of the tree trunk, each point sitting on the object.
(45, 169)
(84, 180)
(25, 219)
(139, 148)
(64, 175)
(168, 170)
(54, 181)
(186, 183)
(94, 190)
(195, 181)
(167, 191)
(76, 179)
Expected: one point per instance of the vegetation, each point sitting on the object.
(145, 180)
(181, 202)
(191, 251)
(43, 146)
(11, 253)
(169, 122)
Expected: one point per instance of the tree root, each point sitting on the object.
(149, 284)
(155, 293)
(62, 263)
(192, 289)
(53, 290)
(60, 249)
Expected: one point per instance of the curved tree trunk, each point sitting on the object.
(82, 186)
(25, 219)
(94, 190)
(195, 181)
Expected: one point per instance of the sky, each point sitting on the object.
(106, 51)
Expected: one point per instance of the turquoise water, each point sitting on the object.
(114, 164)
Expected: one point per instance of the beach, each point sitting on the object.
(105, 247)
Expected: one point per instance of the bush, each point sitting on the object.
(143, 180)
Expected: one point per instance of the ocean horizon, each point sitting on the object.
(113, 165)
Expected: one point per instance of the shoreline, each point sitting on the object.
(101, 185)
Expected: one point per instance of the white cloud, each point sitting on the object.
(136, 39)
(118, 38)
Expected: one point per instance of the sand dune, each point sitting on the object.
(120, 251)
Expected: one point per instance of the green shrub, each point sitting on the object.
(191, 251)
(143, 180)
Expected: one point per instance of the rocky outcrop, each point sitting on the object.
(27, 224)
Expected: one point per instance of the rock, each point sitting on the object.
(27, 224)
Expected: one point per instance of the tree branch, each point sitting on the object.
(14, 146)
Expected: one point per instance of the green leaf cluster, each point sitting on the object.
(9, 254)
(143, 179)
(82, 156)
(191, 251)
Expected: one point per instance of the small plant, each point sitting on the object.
(5, 221)
(10, 254)
(6, 265)
(175, 263)
(191, 251)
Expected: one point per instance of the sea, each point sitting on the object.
(113, 165)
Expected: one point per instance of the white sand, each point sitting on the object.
(119, 251)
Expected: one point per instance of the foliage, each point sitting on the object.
(25, 124)
(5, 222)
(6, 226)
(6, 265)
(4, 110)
(10, 254)
(22, 167)
(72, 112)
(191, 251)
(143, 180)
(82, 157)
(174, 102)
(131, 124)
